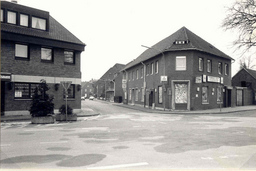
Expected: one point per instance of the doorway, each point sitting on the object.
(181, 95)
(150, 98)
(2, 97)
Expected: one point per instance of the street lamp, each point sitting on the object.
(163, 77)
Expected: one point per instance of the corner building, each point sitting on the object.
(181, 72)
(35, 46)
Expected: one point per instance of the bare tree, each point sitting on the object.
(242, 16)
(247, 63)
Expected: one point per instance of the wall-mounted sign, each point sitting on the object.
(6, 77)
(164, 78)
(199, 79)
(213, 79)
(124, 81)
(221, 80)
(204, 78)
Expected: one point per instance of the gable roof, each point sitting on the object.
(190, 42)
(251, 72)
(56, 30)
(110, 74)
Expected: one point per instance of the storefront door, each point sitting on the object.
(181, 96)
(151, 98)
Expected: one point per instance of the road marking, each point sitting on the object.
(36, 130)
(5, 145)
(52, 142)
(97, 128)
(206, 158)
(119, 166)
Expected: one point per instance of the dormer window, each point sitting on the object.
(11, 17)
(38, 23)
(180, 42)
(24, 20)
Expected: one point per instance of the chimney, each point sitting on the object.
(14, 1)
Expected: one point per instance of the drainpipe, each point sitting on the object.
(144, 83)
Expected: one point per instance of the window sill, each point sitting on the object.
(206, 103)
(66, 63)
(46, 61)
(21, 58)
(22, 99)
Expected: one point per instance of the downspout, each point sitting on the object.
(144, 83)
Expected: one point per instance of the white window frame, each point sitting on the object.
(209, 65)
(226, 69)
(156, 67)
(220, 68)
(200, 64)
(38, 22)
(24, 20)
(182, 67)
(11, 14)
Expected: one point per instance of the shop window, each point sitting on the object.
(24, 20)
(209, 65)
(156, 67)
(21, 51)
(219, 95)
(180, 63)
(69, 57)
(46, 54)
(160, 94)
(201, 64)
(220, 68)
(205, 98)
(24, 90)
(11, 17)
(38, 23)
(70, 91)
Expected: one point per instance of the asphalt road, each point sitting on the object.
(122, 138)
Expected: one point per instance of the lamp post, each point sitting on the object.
(163, 76)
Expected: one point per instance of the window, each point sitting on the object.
(219, 96)
(124, 75)
(156, 67)
(160, 94)
(136, 94)
(180, 63)
(46, 54)
(2, 15)
(133, 75)
(148, 69)
(201, 64)
(71, 91)
(226, 69)
(205, 99)
(142, 94)
(130, 94)
(152, 69)
(137, 74)
(69, 57)
(220, 68)
(209, 65)
(142, 72)
(24, 90)
(24, 20)
(21, 51)
(38, 23)
(11, 17)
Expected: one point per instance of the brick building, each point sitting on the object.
(244, 84)
(88, 88)
(181, 72)
(109, 86)
(35, 46)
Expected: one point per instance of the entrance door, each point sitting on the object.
(229, 98)
(133, 96)
(239, 97)
(2, 97)
(151, 98)
(181, 96)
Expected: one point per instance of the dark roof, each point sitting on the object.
(251, 72)
(192, 42)
(110, 74)
(56, 30)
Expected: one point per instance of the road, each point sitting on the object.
(122, 138)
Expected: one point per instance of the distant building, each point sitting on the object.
(181, 72)
(109, 86)
(35, 46)
(88, 88)
(244, 83)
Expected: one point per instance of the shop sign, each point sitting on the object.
(213, 79)
(5, 77)
(124, 81)
(221, 80)
(204, 78)
(164, 78)
(199, 79)
(124, 86)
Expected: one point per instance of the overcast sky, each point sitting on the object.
(114, 30)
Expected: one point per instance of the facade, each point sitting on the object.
(109, 86)
(35, 46)
(244, 84)
(181, 72)
(87, 88)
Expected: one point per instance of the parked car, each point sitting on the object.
(82, 98)
(91, 98)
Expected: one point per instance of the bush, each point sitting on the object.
(62, 110)
(41, 104)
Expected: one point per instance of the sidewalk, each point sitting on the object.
(208, 111)
(85, 112)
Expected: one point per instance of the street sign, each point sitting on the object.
(164, 78)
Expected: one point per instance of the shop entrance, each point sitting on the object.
(2, 97)
(181, 95)
(151, 98)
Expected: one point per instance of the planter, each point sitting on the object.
(43, 120)
(61, 117)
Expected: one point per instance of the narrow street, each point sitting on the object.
(122, 138)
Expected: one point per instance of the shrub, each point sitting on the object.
(41, 104)
(62, 110)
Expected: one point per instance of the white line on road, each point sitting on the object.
(5, 145)
(36, 130)
(52, 142)
(119, 166)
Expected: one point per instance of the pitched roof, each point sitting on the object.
(110, 74)
(190, 41)
(56, 30)
(251, 72)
